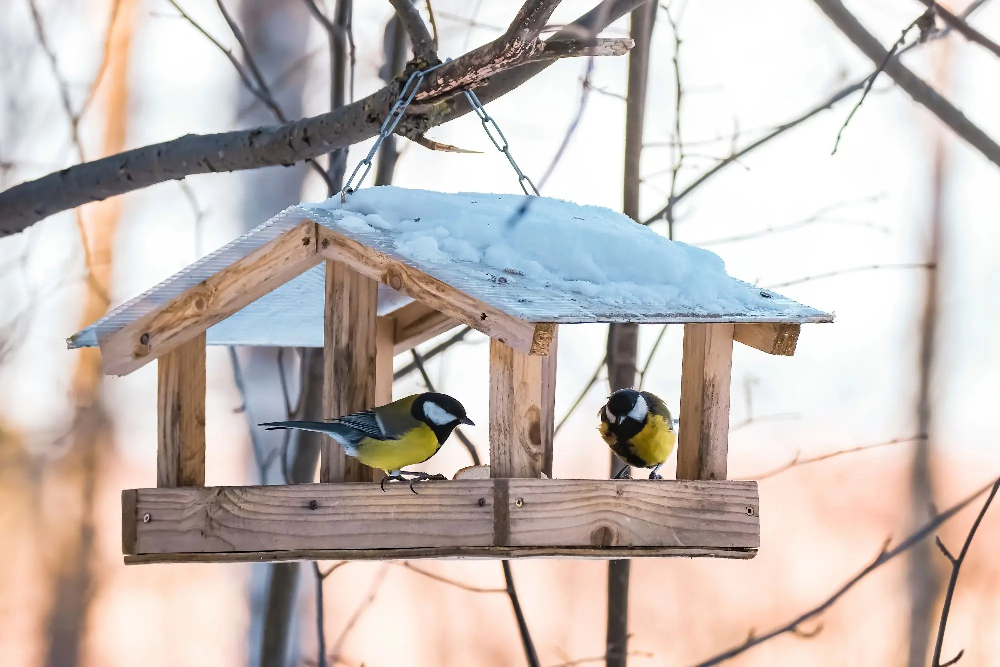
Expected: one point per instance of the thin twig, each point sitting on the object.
(963, 28)
(530, 655)
(678, 138)
(105, 58)
(798, 461)
(263, 461)
(853, 269)
(956, 565)
(431, 353)
(884, 556)
(359, 612)
(450, 582)
(424, 46)
(434, 26)
(920, 20)
(320, 629)
(471, 448)
(583, 394)
(649, 360)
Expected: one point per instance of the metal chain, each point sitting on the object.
(503, 146)
(388, 127)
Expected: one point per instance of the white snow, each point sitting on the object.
(592, 251)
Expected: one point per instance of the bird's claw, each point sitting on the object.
(655, 475)
(400, 476)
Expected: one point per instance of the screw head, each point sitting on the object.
(145, 518)
(749, 511)
(519, 502)
(481, 502)
(144, 339)
(313, 505)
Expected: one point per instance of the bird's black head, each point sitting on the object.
(441, 412)
(625, 407)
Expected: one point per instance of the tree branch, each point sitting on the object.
(913, 85)
(885, 555)
(961, 27)
(573, 48)
(27, 203)
(420, 37)
(529, 646)
(956, 565)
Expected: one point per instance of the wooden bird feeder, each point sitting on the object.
(267, 287)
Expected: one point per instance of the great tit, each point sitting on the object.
(402, 433)
(638, 428)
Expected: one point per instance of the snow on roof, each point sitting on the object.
(558, 262)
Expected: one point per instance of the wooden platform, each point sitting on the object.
(502, 518)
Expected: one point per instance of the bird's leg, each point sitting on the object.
(414, 476)
(394, 476)
(656, 472)
(623, 473)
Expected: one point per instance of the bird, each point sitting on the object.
(638, 428)
(405, 432)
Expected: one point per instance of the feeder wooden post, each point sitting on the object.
(549, 403)
(385, 340)
(180, 415)
(703, 441)
(349, 362)
(522, 394)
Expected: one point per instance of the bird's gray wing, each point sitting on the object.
(364, 422)
(395, 418)
(657, 406)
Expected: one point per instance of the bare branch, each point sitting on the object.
(530, 655)
(27, 203)
(797, 461)
(573, 48)
(433, 352)
(956, 565)
(423, 44)
(853, 269)
(583, 394)
(913, 85)
(961, 27)
(885, 555)
(471, 448)
(433, 22)
(450, 582)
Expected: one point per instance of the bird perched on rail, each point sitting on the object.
(402, 433)
(638, 428)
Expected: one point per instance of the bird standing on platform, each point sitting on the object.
(638, 428)
(402, 433)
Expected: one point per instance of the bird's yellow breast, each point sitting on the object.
(654, 442)
(416, 446)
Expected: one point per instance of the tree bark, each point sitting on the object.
(623, 339)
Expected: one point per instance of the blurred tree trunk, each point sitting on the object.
(277, 36)
(72, 479)
(924, 579)
(623, 339)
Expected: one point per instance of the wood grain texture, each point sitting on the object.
(777, 338)
(527, 337)
(349, 363)
(549, 404)
(636, 513)
(417, 323)
(384, 340)
(313, 516)
(452, 519)
(180, 415)
(703, 438)
(443, 553)
(210, 301)
(516, 443)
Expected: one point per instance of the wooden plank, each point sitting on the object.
(516, 444)
(313, 516)
(772, 337)
(523, 336)
(210, 301)
(416, 323)
(549, 404)
(639, 513)
(452, 519)
(444, 553)
(349, 364)
(385, 330)
(706, 366)
(180, 415)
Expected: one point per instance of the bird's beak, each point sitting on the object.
(466, 420)
(619, 418)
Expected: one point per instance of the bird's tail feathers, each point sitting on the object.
(344, 435)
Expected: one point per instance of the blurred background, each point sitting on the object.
(912, 350)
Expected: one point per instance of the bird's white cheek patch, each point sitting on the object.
(437, 415)
(640, 410)
(607, 413)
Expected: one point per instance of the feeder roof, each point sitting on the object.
(536, 259)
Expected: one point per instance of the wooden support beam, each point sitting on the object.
(517, 446)
(209, 302)
(703, 440)
(549, 404)
(772, 337)
(385, 329)
(416, 323)
(578, 518)
(180, 415)
(526, 337)
(349, 362)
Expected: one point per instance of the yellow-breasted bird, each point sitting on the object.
(402, 433)
(638, 428)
